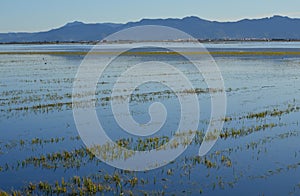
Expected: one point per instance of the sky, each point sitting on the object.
(42, 15)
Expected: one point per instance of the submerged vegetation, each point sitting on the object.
(125, 182)
(129, 183)
(42, 154)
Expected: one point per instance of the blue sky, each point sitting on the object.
(39, 15)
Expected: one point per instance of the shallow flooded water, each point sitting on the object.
(257, 153)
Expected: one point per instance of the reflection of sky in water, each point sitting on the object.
(140, 103)
(213, 45)
(253, 84)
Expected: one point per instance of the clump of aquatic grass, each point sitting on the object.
(133, 181)
(274, 112)
(76, 186)
(246, 131)
(3, 193)
(35, 141)
(226, 161)
(209, 164)
(213, 135)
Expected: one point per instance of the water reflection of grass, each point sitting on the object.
(13, 100)
(50, 102)
(124, 182)
(73, 159)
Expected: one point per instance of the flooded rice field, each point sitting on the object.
(257, 152)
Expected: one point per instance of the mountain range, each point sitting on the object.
(275, 27)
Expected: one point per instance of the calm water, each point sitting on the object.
(260, 155)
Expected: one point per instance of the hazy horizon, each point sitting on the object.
(102, 22)
(34, 15)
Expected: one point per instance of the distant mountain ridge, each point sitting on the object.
(276, 27)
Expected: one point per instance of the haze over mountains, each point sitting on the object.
(276, 27)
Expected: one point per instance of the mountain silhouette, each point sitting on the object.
(276, 27)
